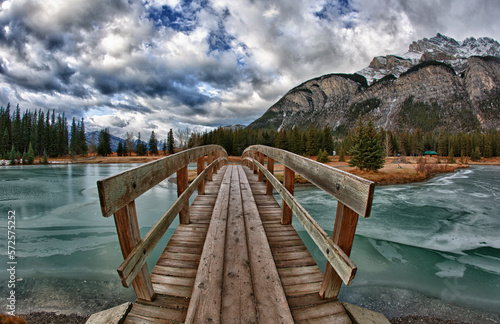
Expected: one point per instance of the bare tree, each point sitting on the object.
(129, 141)
(179, 134)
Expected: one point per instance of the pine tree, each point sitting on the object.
(367, 152)
(153, 144)
(140, 148)
(30, 157)
(104, 147)
(281, 140)
(327, 140)
(119, 150)
(171, 142)
(476, 155)
(164, 148)
(312, 144)
(4, 149)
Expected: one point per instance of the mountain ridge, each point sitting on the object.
(438, 83)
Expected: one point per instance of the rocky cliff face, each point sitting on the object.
(420, 89)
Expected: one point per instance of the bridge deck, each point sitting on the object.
(235, 262)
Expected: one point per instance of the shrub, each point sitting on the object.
(323, 156)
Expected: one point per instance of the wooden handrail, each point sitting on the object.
(354, 195)
(353, 191)
(117, 196)
(119, 190)
(137, 257)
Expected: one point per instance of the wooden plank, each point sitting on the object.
(316, 311)
(127, 228)
(302, 289)
(206, 298)
(182, 184)
(172, 280)
(173, 271)
(355, 192)
(343, 235)
(172, 290)
(165, 301)
(302, 279)
(270, 298)
(238, 305)
(120, 189)
(148, 311)
(133, 319)
(288, 272)
(307, 300)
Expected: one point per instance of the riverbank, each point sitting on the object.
(397, 170)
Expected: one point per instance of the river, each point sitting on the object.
(430, 247)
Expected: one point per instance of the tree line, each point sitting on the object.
(311, 141)
(300, 141)
(39, 133)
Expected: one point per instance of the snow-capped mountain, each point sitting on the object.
(439, 48)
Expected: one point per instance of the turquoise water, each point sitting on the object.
(438, 239)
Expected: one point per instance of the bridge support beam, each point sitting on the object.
(261, 161)
(200, 165)
(182, 184)
(289, 183)
(127, 228)
(270, 168)
(343, 235)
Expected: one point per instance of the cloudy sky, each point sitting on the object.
(159, 64)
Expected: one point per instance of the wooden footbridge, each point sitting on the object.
(235, 257)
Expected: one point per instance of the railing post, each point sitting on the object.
(216, 166)
(289, 183)
(127, 228)
(182, 184)
(343, 235)
(255, 157)
(270, 168)
(210, 160)
(200, 165)
(261, 161)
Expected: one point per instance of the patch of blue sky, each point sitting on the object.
(183, 17)
(337, 10)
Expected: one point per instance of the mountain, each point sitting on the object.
(93, 139)
(438, 83)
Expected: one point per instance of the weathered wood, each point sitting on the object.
(238, 305)
(206, 299)
(270, 168)
(343, 235)
(355, 192)
(289, 183)
(137, 257)
(127, 228)
(269, 295)
(333, 253)
(210, 160)
(261, 161)
(182, 184)
(119, 190)
(318, 311)
(200, 165)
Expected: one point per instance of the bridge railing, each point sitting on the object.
(117, 196)
(354, 196)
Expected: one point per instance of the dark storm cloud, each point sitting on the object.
(203, 63)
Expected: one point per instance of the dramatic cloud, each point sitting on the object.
(138, 66)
